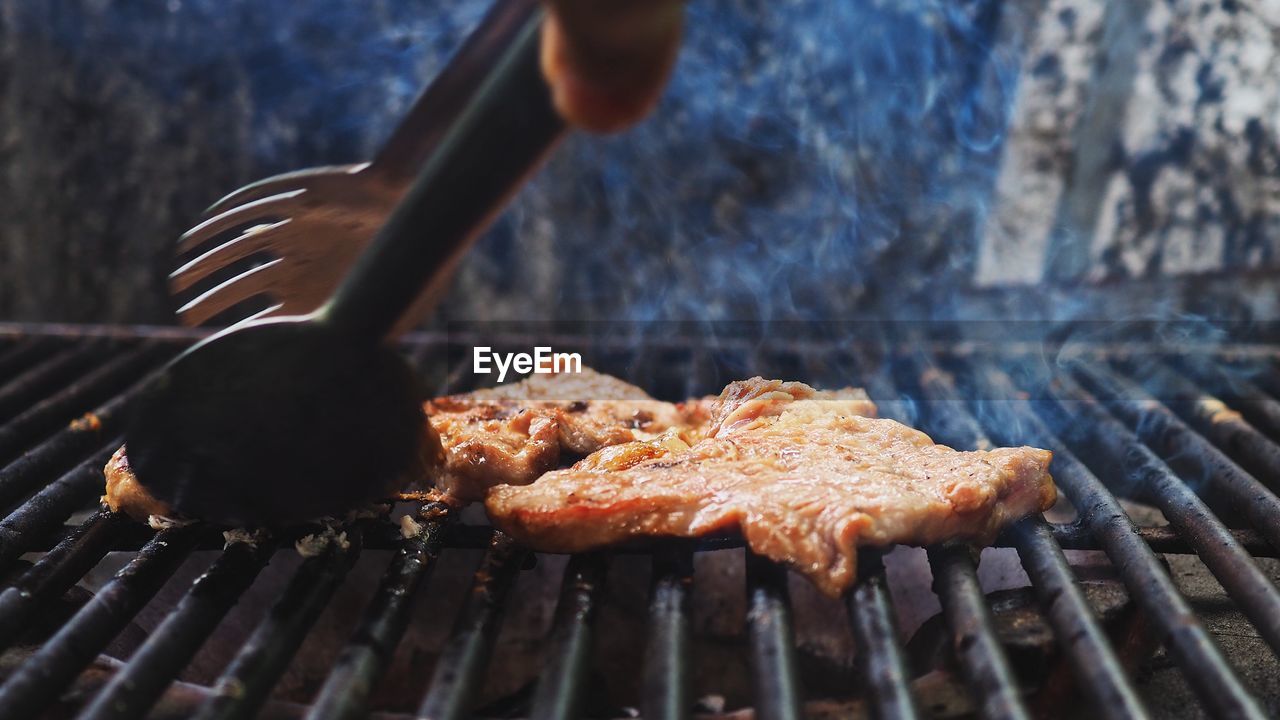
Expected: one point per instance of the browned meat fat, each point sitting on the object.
(805, 478)
(125, 494)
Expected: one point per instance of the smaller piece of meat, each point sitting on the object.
(125, 494)
(804, 476)
(512, 434)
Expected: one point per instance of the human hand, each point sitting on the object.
(607, 61)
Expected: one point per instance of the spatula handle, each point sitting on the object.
(498, 139)
(436, 110)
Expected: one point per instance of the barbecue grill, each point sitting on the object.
(1191, 433)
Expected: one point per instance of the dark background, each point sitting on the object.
(811, 160)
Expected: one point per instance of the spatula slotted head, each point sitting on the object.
(275, 423)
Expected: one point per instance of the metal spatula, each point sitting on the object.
(286, 419)
(289, 240)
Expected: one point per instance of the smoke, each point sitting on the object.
(810, 161)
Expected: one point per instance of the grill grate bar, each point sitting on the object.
(1085, 642)
(135, 688)
(93, 387)
(43, 676)
(1161, 539)
(559, 693)
(773, 656)
(460, 666)
(982, 661)
(55, 573)
(247, 681)
(51, 505)
(1183, 447)
(1257, 598)
(1071, 536)
(1149, 584)
(356, 672)
(880, 662)
(24, 388)
(665, 683)
(1227, 429)
(1255, 397)
(35, 466)
(1075, 626)
(28, 473)
(24, 353)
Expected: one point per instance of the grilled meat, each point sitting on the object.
(716, 414)
(512, 434)
(509, 434)
(125, 494)
(804, 477)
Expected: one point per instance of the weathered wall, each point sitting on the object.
(1148, 130)
(811, 159)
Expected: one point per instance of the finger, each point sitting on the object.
(607, 62)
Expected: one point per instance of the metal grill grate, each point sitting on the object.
(1098, 414)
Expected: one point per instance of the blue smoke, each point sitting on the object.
(811, 160)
